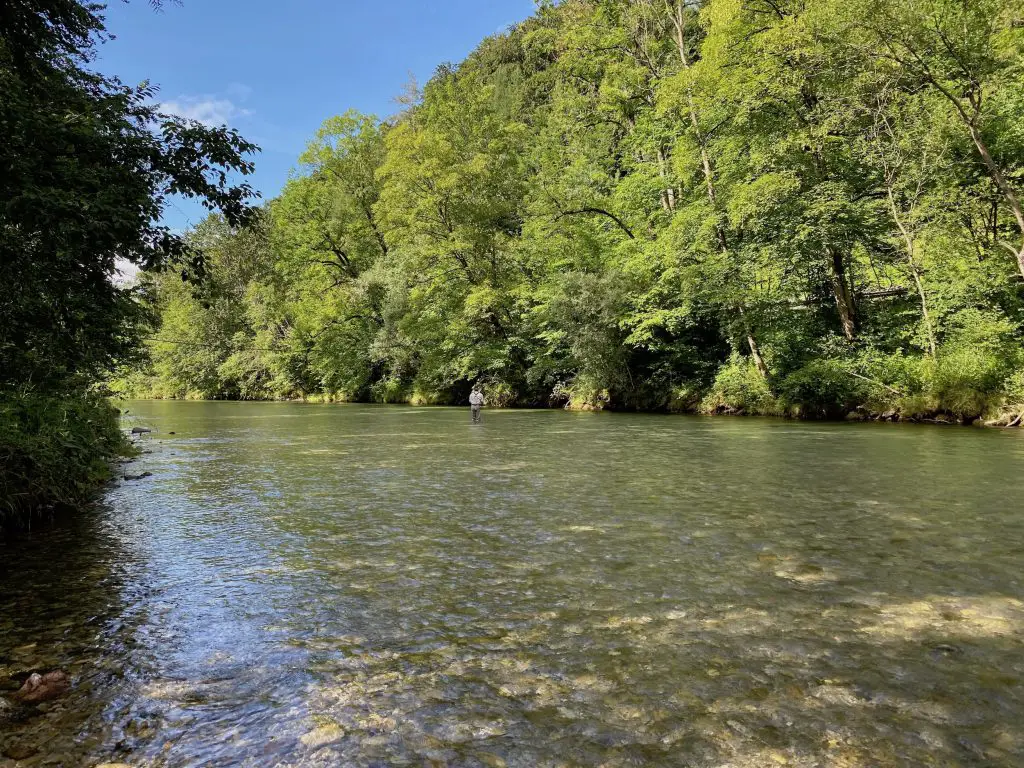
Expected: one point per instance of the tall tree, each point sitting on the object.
(972, 53)
(88, 165)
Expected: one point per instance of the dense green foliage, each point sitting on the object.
(86, 166)
(799, 207)
(54, 451)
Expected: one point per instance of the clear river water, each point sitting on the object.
(324, 585)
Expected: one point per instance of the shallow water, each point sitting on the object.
(317, 585)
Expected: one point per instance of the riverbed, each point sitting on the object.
(322, 585)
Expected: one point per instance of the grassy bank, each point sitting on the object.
(55, 451)
(961, 384)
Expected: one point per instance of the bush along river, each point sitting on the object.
(317, 585)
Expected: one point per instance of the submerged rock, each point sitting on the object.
(944, 650)
(325, 734)
(19, 750)
(138, 477)
(43, 687)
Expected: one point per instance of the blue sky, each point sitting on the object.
(275, 69)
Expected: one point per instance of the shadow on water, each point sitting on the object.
(314, 585)
(71, 599)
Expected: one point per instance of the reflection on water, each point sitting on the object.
(356, 585)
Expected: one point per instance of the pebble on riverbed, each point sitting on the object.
(325, 734)
(43, 687)
(19, 750)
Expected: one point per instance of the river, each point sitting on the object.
(322, 585)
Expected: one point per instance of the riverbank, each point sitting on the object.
(966, 386)
(56, 452)
(1002, 416)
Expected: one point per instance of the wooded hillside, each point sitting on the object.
(773, 206)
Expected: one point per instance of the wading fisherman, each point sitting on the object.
(476, 401)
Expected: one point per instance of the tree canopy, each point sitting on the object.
(769, 206)
(88, 165)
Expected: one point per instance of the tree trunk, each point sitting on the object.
(908, 240)
(755, 351)
(924, 308)
(668, 195)
(970, 119)
(842, 294)
(1004, 187)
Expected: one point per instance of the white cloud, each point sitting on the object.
(209, 110)
(125, 272)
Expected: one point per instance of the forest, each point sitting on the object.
(799, 207)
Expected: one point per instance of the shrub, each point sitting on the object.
(822, 389)
(898, 383)
(966, 381)
(499, 394)
(1014, 388)
(583, 393)
(389, 390)
(740, 387)
(684, 399)
(55, 450)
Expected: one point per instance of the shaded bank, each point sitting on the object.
(56, 453)
(88, 163)
(1001, 413)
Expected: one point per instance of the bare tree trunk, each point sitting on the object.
(755, 351)
(679, 22)
(668, 195)
(842, 294)
(908, 240)
(1004, 187)
(924, 307)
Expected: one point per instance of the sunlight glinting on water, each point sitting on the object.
(305, 585)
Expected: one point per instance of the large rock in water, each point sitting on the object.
(43, 687)
(140, 430)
